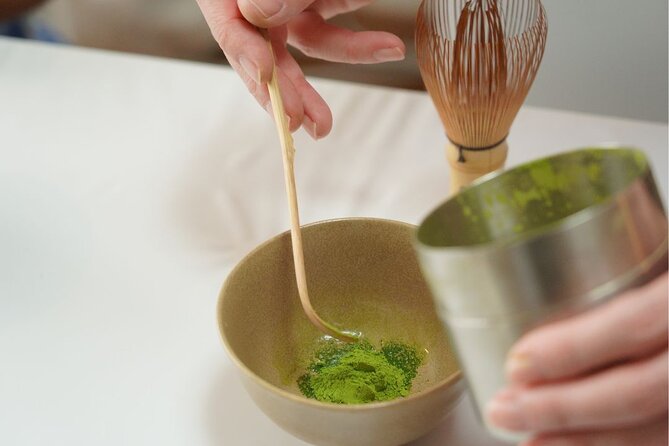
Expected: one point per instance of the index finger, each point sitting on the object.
(628, 395)
(241, 42)
(632, 325)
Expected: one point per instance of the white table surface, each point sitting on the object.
(129, 186)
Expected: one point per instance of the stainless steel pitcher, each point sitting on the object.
(538, 242)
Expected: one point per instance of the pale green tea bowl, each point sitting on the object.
(362, 275)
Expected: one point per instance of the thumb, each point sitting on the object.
(270, 13)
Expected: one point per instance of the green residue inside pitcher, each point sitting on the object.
(532, 196)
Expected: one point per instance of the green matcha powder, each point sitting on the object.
(358, 373)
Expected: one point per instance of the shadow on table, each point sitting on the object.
(227, 201)
(459, 428)
(446, 429)
(436, 436)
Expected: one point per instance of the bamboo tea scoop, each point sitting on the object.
(288, 150)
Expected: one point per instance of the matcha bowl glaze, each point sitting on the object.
(538, 242)
(362, 273)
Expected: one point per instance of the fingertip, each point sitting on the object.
(391, 41)
(292, 105)
(398, 43)
(520, 368)
(263, 60)
(267, 106)
(310, 127)
(320, 118)
(316, 128)
(250, 68)
(505, 412)
(388, 55)
(325, 128)
(258, 70)
(265, 73)
(246, 48)
(294, 122)
(527, 360)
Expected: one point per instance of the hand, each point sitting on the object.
(599, 378)
(300, 23)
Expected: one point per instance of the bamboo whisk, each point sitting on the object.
(478, 59)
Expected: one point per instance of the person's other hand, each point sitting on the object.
(599, 378)
(302, 24)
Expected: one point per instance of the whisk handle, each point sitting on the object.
(477, 164)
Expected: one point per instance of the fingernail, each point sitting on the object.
(504, 411)
(268, 107)
(250, 68)
(268, 8)
(310, 127)
(388, 54)
(520, 368)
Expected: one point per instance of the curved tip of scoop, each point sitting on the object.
(334, 332)
(350, 336)
(346, 335)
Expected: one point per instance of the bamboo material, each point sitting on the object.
(288, 151)
(478, 59)
(477, 164)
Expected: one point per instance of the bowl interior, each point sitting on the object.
(362, 275)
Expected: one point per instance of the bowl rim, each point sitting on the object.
(449, 381)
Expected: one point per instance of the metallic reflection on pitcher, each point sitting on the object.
(541, 241)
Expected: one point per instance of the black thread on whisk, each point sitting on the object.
(462, 149)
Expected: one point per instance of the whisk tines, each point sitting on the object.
(478, 59)
(482, 74)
